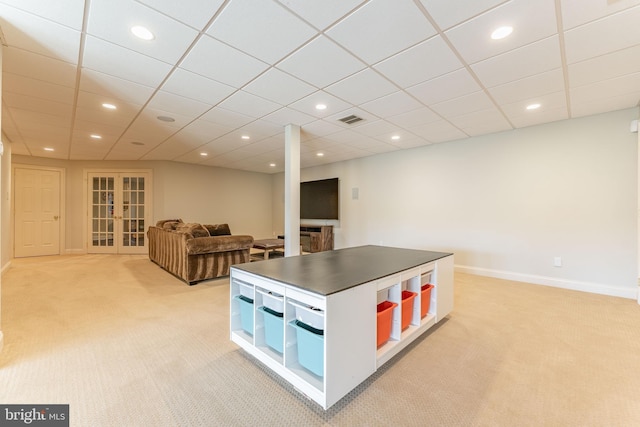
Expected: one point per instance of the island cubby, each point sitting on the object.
(336, 349)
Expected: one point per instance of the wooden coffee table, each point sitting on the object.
(268, 245)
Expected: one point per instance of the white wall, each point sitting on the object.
(191, 192)
(506, 204)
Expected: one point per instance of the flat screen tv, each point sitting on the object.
(319, 199)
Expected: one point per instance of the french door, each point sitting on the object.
(119, 211)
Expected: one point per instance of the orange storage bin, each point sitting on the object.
(407, 308)
(425, 292)
(385, 318)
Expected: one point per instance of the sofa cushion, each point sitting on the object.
(162, 222)
(218, 229)
(195, 229)
(170, 225)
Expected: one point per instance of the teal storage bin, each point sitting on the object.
(310, 348)
(273, 329)
(246, 313)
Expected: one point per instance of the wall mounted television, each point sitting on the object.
(319, 199)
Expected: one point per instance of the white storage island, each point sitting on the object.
(328, 320)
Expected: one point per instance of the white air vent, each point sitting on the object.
(351, 119)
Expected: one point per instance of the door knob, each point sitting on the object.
(55, 217)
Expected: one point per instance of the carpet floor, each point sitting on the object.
(126, 344)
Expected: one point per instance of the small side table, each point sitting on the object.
(268, 245)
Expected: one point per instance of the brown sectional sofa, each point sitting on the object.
(195, 252)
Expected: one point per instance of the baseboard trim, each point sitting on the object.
(594, 288)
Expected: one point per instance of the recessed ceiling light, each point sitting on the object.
(109, 106)
(320, 154)
(245, 137)
(272, 165)
(501, 32)
(166, 119)
(142, 33)
(137, 143)
(48, 149)
(94, 136)
(321, 107)
(204, 154)
(395, 137)
(533, 106)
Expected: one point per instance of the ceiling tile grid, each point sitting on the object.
(225, 77)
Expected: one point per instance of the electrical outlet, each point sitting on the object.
(557, 261)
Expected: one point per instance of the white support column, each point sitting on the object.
(292, 190)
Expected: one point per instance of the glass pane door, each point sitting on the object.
(133, 224)
(102, 213)
(119, 211)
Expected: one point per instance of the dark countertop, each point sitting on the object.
(329, 272)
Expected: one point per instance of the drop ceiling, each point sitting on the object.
(226, 77)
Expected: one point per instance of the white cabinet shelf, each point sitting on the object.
(325, 367)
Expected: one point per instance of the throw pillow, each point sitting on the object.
(218, 229)
(196, 230)
(163, 221)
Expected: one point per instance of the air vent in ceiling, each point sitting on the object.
(351, 119)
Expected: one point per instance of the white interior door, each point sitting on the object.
(37, 212)
(118, 213)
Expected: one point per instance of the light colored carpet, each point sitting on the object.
(126, 344)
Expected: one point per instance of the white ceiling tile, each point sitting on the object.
(112, 20)
(194, 86)
(448, 13)
(16, 83)
(613, 94)
(150, 117)
(578, 12)
(36, 121)
(196, 15)
(551, 105)
(531, 21)
(258, 130)
(89, 108)
(65, 12)
(546, 116)
(382, 28)
(80, 150)
(317, 129)
(615, 32)
(414, 118)
(171, 149)
(226, 117)
(248, 104)
(117, 61)
(364, 86)
(528, 87)
(425, 61)
(476, 101)
(308, 104)
(321, 63)
(262, 29)
(218, 61)
(392, 105)
(62, 110)
(449, 86)
(286, 115)
(38, 67)
(439, 131)
(32, 33)
(535, 58)
(321, 14)
(84, 129)
(377, 128)
(114, 87)
(605, 67)
(176, 104)
(207, 130)
(481, 122)
(279, 87)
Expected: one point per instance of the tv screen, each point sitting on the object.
(319, 199)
